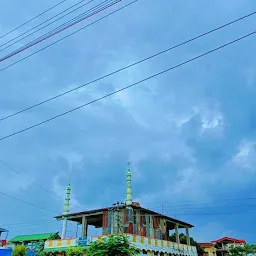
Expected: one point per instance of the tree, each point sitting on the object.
(75, 251)
(38, 248)
(242, 250)
(19, 250)
(114, 245)
(183, 240)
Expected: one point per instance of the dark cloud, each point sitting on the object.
(181, 131)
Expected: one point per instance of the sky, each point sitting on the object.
(190, 134)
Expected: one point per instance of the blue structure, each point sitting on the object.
(5, 252)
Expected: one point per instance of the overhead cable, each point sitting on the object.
(24, 33)
(25, 23)
(129, 66)
(58, 30)
(90, 24)
(129, 86)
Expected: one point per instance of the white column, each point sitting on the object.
(64, 228)
(187, 235)
(84, 226)
(177, 233)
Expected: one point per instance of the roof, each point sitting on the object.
(206, 244)
(229, 240)
(3, 230)
(35, 237)
(134, 206)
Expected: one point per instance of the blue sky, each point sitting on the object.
(190, 133)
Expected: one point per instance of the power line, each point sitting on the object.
(32, 19)
(56, 31)
(25, 202)
(30, 180)
(42, 49)
(24, 223)
(196, 208)
(129, 66)
(129, 86)
(209, 202)
(33, 182)
(28, 225)
(113, 209)
(44, 23)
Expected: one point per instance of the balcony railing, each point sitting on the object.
(143, 243)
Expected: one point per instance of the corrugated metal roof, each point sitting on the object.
(34, 237)
(134, 207)
(206, 244)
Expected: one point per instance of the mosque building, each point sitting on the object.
(146, 229)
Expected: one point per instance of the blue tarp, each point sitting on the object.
(5, 252)
(8, 252)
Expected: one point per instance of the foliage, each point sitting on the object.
(75, 251)
(39, 248)
(183, 240)
(19, 250)
(114, 245)
(242, 250)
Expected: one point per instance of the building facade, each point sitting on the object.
(146, 229)
(220, 247)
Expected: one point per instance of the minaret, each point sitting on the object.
(128, 200)
(66, 211)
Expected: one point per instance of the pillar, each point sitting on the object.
(177, 233)
(187, 236)
(84, 226)
(64, 228)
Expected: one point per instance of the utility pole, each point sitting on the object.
(116, 209)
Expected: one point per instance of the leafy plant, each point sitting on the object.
(19, 250)
(75, 251)
(39, 248)
(242, 250)
(183, 240)
(114, 245)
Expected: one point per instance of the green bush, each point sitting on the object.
(114, 245)
(19, 250)
(75, 251)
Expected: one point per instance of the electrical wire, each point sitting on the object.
(29, 225)
(90, 24)
(24, 223)
(24, 33)
(28, 203)
(25, 23)
(196, 208)
(35, 183)
(30, 180)
(129, 66)
(55, 32)
(129, 86)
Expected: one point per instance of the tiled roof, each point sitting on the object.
(229, 240)
(206, 244)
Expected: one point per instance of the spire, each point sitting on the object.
(67, 199)
(128, 200)
(66, 210)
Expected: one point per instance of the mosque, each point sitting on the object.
(146, 229)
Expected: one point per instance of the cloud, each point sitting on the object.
(189, 133)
